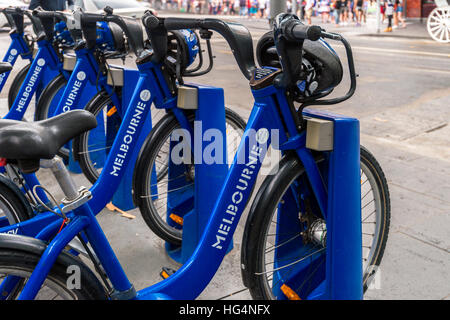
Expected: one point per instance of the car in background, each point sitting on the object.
(130, 8)
(12, 3)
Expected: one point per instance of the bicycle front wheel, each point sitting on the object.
(280, 262)
(91, 148)
(61, 283)
(164, 198)
(16, 84)
(14, 207)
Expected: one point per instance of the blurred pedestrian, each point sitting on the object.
(389, 10)
(289, 6)
(345, 12)
(364, 11)
(382, 10)
(359, 11)
(51, 5)
(324, 10)
(242, 7)
(337, 4)
(262, 8)
(398, 14)
(309, 7)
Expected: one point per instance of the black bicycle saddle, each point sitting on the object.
(5, 67)
(28, 142)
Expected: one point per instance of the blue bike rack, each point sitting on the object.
(123, 197)
(209, 177)
(344, 235)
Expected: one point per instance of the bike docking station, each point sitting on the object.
(80, 88)
(190, 204)
(341, 270)
(107, 128)
(126, 78)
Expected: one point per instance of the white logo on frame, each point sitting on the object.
(145, 95)
(262, 135)
(81, 75)
(13, 52)
(41, 62)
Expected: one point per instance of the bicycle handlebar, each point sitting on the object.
(14, 16)
(131, 28)
(49, 14)
(237, 36)
(295, 30)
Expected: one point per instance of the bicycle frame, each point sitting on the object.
(270, 111)
(150, 88)
(45, 66)
(17, 47)
(86, 71)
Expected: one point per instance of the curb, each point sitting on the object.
(384, 35)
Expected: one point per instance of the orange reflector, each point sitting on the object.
(164, 274)
(176, 219)
(289, 293)
(111, 111)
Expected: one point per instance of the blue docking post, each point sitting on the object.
(123, 198)
(211, 168)
(344, 235)
(88, 92)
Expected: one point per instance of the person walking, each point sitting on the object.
(389, 11)
(358, 9)
(262, 8)
(51, 5)
(337, 4)
(398, 14)
(242, 7)
(324, 10)
(309, 7)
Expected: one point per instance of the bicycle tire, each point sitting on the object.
(144, 165)
(13, 204)
(16, 84)
(261, 217)
(80, 143)
(21, 263)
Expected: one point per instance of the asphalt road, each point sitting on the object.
(402, 102)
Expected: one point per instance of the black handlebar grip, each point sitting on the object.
(92, 17)
(50, 15)
(150, 21)
(182, 23)
(298, 31)
(11, 10)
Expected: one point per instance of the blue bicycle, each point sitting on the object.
(22, 45)
(55, 38)
(107, 96)
(323, 237)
